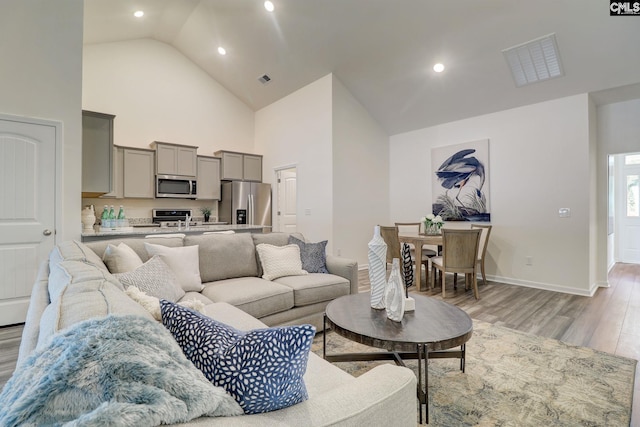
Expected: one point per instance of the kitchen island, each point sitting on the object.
(142, 231)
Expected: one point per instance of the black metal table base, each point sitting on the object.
(422, 354)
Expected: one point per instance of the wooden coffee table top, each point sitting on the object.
(437, 324)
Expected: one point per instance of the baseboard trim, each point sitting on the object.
(543, 286)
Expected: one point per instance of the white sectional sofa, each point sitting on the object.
(234, 294)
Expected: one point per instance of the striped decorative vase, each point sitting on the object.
(377, 268)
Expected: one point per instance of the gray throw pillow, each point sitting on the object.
(312, 255)
(154, 278)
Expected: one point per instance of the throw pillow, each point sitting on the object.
(407, 265)
(184, 262)
(155, 278)
(280, 261)
(121, 258)
(152, 304)
(312, 255)
(262, 369)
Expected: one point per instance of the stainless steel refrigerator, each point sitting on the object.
(245, 203)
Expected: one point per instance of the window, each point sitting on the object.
(632, 159)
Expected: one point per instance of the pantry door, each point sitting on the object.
(27, 208)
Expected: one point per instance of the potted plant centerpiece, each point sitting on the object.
(206, 211)
(432, 224)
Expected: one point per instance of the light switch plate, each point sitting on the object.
(564, 212)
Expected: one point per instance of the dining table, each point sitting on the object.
(418, 240)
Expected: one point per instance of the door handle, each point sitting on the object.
(47, 232)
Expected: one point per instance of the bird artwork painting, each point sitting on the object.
(461, 182)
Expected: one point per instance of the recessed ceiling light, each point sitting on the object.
(222, 51)
(438, 68)
(269, 6)
(139, 14)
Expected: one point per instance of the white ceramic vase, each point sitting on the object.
(377, 268)
(394, 293)
(88, 218)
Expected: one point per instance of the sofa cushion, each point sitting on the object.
(85, 300)
(225, 256)
(275, 239)
(312, 255)
(136, 244)
(121, 258)
(280, 261)
(73, 250)
(152, 304)
(262, 369)
(155, 278)
(315, 287)
(184, 263)
(253, 295)
(75, 271)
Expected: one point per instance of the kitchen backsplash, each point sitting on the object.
(138, 211)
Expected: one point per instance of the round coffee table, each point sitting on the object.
(426, 333)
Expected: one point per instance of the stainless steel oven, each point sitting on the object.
(176, 187)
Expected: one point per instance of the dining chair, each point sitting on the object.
(459, 255)
(482, 250)
(390, 236)
(415, 227)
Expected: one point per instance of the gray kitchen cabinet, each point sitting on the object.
(208, 178)
(240, 166)
(139, 173)
(117, 174)
(175, 159)
(97, 153)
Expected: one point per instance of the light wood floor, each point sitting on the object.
(608, 321)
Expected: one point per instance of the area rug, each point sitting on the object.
(517, 379)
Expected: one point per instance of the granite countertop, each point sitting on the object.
(195, 229)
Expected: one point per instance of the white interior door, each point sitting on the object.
(287, 200)
(628, 209)
(27, 209)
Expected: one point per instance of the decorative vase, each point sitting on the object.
(394, 293)
(88, 219)
(206, 217)
(377, 268)
(432, 229)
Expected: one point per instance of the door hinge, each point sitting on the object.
(278, 212)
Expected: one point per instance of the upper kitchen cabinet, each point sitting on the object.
(240, 166)
(138, 173)
(117, 174)
(97, 153)
(208, 178)
(174, 159)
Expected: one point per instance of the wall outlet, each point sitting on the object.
(528, 260)
(307, 211)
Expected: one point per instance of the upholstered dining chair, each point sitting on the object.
(390, 236)
(482, 250)
(414, 227)
(459, 255)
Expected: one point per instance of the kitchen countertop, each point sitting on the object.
(146, 230)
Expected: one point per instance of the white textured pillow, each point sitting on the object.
(155, 278)
(183, 260)
(152, 304)
(121, 258)
(280, 261)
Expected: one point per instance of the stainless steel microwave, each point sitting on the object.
(176, 187)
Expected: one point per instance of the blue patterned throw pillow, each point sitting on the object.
(262, 369)
(312, 255)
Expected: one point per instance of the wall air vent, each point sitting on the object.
(264, 79)
(534, 61)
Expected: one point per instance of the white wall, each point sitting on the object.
(157, 94)
(360, 175)
(539, 162)
(41, 51)
(297, 130)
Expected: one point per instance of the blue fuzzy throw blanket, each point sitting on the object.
(117, 370)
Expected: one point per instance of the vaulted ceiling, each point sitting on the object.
(383, 51)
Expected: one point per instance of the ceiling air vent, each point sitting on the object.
(264, 79)
(534, 61)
